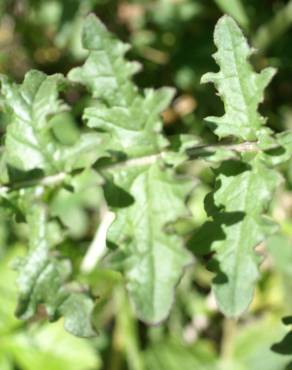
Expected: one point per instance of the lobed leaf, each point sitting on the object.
(131, 119)
(154, 257)
(242, 196)
(43, 280)
(30, 143)
(144, 197)
(240, 88)
(244, 187)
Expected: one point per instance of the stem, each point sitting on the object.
(133, 162)
(126, 328)
(98, 246)
(44, 181)
(192, 153)
(229, 332)
(247, 146)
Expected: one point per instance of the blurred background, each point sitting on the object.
(172, 39)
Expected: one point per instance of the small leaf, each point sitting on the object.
(240, 88)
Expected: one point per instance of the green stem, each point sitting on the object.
(192, 153)
(229, 332)
(127, 332)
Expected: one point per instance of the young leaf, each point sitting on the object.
(240, 88)
(154, 257)
(132, 120)
(43, 280)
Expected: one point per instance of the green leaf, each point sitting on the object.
(106, 73)
(240, 88)
(280, 251)
(251, 347)
(145, 198)
(30, 143)
(131, 119)
(285, 141)
(71, 206)
(5, 363)
(244, 187)
(43, 279)
(170, 355)
(154, 257)
(49, 347)
(242, 195)
(8, 321)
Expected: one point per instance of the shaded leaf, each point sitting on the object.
(155, 258)
(43, 280)
(242, 195)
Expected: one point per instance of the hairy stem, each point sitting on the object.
(192, 153)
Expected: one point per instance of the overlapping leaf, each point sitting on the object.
(131, 119)
(146, 195)
(30, 143)
(43, 280)
(154, 258)
(153, 197)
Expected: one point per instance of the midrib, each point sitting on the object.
(151, 238)
(241, 250)
(242, 90)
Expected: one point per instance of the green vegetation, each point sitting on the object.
(138, 210)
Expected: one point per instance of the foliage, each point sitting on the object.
(122, 207)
